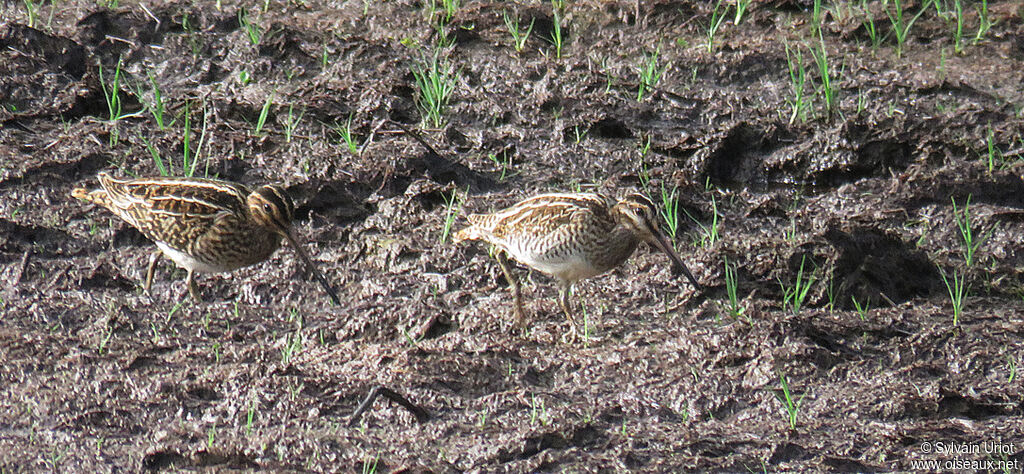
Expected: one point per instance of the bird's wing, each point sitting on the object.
(545, 214)
(175, 211)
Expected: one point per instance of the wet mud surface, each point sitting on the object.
(97, 376)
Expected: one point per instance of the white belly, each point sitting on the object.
(187, 262)
(572, 267)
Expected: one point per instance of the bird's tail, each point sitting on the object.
(473, 232)
(96, 196)
(469, 233)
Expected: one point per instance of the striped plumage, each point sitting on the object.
(570, 236)
(203, 225)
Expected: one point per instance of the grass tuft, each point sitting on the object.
(435, 81)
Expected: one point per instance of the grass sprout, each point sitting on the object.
(786, 397)
(650, 73)
(994, 154)
(797, 78)
(717, 16)
(102, 346)
(292, 122)
(708, 233)
(452, 203)
(830, 293)
(794, 296)
(32, 12)
(538, 412)
(155, 155)
(190, 160)
(1011, 364)
(519, 35)
(958, 25)
(292, 346)
(669, 210)
(449, 7)
(556, 39)
(735, 309)
(971, 241)
(958, 290)
(826, 91)
(869, 25)
(112, 97)
(211, 434)
(252, 28)
(580, 134)
(264, 112)
(900, 24)
(370, 465)
(504, 163)
(186, 142)
(862, 311)
(157, 106)
(345, 132)
(816, 17)
(984, 22)
(741, 9)
(250, 417)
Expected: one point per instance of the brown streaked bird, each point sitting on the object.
(203, 225)
(570, 236)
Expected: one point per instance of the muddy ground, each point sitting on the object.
(97, 376)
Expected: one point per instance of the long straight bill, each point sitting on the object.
(313, 268)
(659, 238)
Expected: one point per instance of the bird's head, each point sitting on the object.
(272, 208)
(638, 214)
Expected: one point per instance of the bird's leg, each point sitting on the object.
(514, 284)
(564, 290)
(151, 271)
(193, 290)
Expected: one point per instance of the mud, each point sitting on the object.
(97, 376)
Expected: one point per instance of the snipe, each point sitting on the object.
(570, 236)
(203, 225)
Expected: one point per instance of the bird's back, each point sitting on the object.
(174, 211)
(554, 233)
